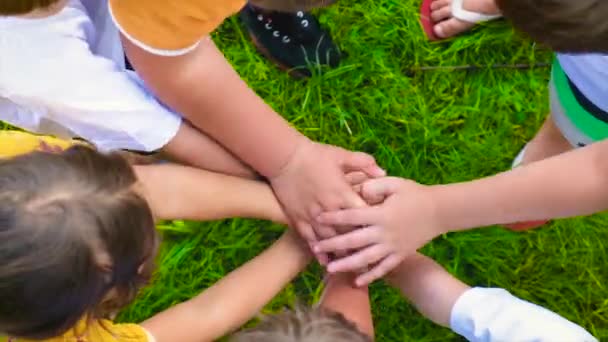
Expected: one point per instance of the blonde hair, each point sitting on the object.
(291, 5)
(303, 325)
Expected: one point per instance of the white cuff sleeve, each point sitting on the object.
(487, 314)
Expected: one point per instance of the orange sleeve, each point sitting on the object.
(170, 27)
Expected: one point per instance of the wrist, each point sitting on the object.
(457, 207)
(441, 214)
(293, 151)
(292, 241)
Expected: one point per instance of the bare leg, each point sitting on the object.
(192, 147)
(548, 142)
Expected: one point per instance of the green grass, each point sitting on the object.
(434, 126)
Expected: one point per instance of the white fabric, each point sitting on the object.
(589, 72)
(519, 158)
(459, 12)
(107, 43)
(495, 315)
(59, 77)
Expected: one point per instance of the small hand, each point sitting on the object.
(314, 181)
(404, 221)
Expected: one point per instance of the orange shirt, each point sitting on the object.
(167, 27)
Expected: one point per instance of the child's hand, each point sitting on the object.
(314, 181)
(405, 221)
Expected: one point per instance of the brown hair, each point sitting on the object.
(291, 5)
(563, 25)
(73, 229)
(303, 325)
(17, 7)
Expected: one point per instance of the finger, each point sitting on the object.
(306, 231)
(375, 171)
(322, 258)
(350, 217)
(360, 259)
(351, 199)
(382, 269)
(357, 188)
(324, 232)
(356, 239)
(356, 177)
(378, 189)
(357, 161)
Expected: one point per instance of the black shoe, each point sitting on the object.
(294, 41)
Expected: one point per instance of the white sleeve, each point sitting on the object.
(51, 82)
(488, 314)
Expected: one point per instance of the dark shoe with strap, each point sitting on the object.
(294, 41)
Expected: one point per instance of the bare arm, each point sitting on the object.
(571, 184)
(217, 98)
(180, 192)
(235, 299)
(478, 314)
(353, 302)
(430, 288)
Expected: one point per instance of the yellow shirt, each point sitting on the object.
(170, 28)
(101, 331)
(13, 143)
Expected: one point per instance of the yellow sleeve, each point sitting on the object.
(170, 28)
(14, 143)
(100, 331)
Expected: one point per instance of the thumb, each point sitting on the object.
(359, 161)
(375, 191)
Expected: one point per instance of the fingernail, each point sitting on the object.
(316, 249)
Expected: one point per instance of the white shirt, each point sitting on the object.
(495, 315)
(64, 75)
(589, 72)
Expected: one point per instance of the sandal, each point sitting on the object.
(458, 12)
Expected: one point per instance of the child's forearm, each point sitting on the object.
(236, 298)
(571, 184)
(342, 296)
(204, 87)
(430, 288)
(180, 192)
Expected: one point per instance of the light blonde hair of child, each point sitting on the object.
(303, 325)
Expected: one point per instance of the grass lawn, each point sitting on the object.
(434, 126)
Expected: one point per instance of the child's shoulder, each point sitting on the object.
(14, 143)
(170, 28)
(99, 331)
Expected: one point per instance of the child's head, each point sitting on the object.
(73, 231)
(291, 5)
(563, 25)
(19, 7)
(303, 325)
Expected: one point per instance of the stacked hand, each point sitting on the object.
(400, 220)
(315, 181)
